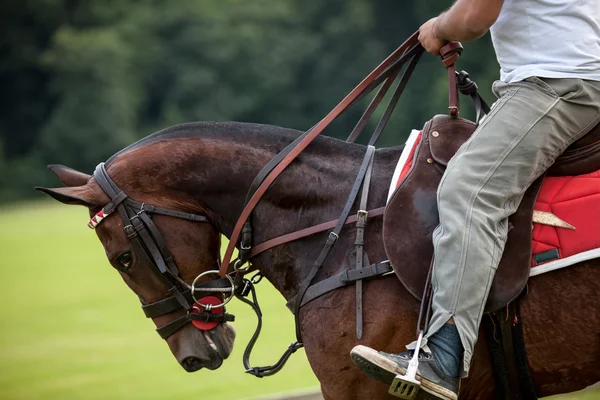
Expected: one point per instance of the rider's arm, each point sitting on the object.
(467, 19)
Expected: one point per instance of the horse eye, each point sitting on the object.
(125, 260)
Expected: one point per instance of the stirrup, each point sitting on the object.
(407, 386)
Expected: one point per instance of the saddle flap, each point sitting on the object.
(411, 216)
(445, 136)
(582, 157)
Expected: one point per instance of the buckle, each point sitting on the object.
(361, 218)
(333, 237)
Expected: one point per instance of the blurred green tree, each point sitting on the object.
(82, 79)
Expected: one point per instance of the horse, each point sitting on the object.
(206, 168)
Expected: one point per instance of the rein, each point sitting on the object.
(398, 58)
(241, 237)
(146, 237)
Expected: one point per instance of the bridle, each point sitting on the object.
(146, 238)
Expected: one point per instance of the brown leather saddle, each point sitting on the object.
(413, 209)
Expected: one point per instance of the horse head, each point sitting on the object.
(186, 248)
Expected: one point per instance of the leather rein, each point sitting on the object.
(146, 237)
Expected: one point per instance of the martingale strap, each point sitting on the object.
(245, 288)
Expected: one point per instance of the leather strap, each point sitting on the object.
(355, 133)
(302, 233)
(393, 69)
(164, 306)
(396, 96)
(450, 54)
(259, 372)
(345, 103)
(364, 119)
(388, 76)
(168, 329)
(361, 223)
(170, 304)
(507, 317)
(340, 280)
(468, 87)
(333, 236)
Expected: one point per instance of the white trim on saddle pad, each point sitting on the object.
(564, 262)
(410, 143)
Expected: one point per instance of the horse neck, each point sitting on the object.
(213, 171)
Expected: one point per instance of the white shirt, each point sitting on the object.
(548, 39)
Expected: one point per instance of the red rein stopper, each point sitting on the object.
(206, 326)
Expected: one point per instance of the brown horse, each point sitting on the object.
(207, 168)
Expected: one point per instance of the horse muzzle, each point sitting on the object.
(195, 349)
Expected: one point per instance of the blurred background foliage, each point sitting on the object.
(81, 79)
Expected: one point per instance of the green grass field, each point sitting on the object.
(70, 329)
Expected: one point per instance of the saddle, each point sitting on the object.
(413, 208)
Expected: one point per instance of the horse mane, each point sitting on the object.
(228, 130)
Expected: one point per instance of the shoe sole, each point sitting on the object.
(384, 370)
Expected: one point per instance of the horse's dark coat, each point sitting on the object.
(209, 166)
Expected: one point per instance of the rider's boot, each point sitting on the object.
(438, 371)
(384, 367)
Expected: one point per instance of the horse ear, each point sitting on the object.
(78, 195)
(69, 176)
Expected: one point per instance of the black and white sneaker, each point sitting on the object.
(384, 367)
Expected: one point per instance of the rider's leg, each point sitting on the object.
(532, 123)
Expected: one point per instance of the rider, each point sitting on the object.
(548, 97)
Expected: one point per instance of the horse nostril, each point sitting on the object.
(191, 364)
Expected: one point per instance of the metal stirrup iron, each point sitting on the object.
(407, 386)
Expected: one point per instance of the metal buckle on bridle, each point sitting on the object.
(226, 299)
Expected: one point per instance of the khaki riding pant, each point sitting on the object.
(530, 125)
